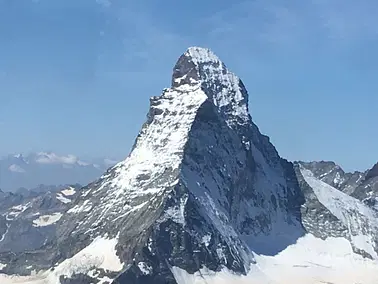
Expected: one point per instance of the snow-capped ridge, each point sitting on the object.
(200, 67)
(361, 221)
(201, 55)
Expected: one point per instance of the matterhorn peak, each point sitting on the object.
(200, 68)
(203, 195)
(201, 55)
(191, 65)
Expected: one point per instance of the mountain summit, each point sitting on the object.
(194, 189)
(201, 67)
(203, 193)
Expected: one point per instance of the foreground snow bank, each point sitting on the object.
(310, 261)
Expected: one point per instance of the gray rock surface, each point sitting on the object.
(28, 221)
(339, 212)
(361, 185)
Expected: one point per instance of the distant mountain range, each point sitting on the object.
(48, 168)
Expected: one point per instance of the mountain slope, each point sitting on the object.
(28, 221)
(335, 176)
(355, 221)
(361, 185)
(367, 191)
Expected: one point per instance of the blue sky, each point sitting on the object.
(75, 76)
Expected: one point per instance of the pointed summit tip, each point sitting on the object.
(189, 68)
(201, 55)
(373, 172)
(200, 67)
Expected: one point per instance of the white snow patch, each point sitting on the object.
(2, 265)
(309, 261)
(104, 280)
(47, 220)
(364, 243)
(17, 210)
(145, 268)
(177, 213)
(63, 199)
(206, 240)
(69, 191)
(225, 276)
(5, 233)
(221, 255)
(20, 208)
(100, 253)
(337, 179)
(312, 260)
(326, 173)
(85, 207)
(149, 245)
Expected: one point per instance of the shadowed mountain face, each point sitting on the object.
(202, 190)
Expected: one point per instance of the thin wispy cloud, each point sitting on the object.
(142, 41)
(104, 3)
(292, 23)
(348, 20)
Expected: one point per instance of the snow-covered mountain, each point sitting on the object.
(331, 212)
(29, 171)
(27, 221)
(361, 185)
(204, 197)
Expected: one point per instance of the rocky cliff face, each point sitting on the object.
(335, 176)
(28, 221)
(329, 210)
(367, 191)
(361, 185)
